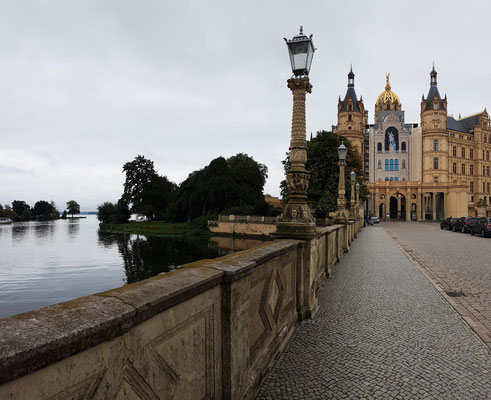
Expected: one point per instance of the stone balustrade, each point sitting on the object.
(210, 329)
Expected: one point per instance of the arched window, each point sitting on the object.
(392, 165)
(403, 179)
(388, 107)
(379, 164)
(386, 165)
(391, 178)
(396, 179)
(386, 178)
(349, 117)
(379, 146)
(454, 151)
(396, 165)
(350, 108)
(403, 164)
(403, 146)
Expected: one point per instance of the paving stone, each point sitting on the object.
(383, 332)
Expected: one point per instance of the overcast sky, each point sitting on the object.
(85, 86)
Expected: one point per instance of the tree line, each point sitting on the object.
(232, 185)
(43, 210)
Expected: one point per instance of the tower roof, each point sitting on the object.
(388, 96)
(433, 92)
(350, 94)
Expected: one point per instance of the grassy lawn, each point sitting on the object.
(155, 228)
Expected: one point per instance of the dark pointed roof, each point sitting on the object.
(350, 93)
(463, 125)
(429, 99)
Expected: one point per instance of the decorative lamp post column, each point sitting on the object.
(357, 186)
(341, 213)
(352, 177)
(297, 217)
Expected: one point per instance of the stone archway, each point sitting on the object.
(393, 208)
(381, 211)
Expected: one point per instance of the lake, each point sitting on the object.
(43, 263)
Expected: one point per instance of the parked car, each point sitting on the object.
(375, 220)
(457, 225)
(482, 227)
(448, 223)
(464, 225)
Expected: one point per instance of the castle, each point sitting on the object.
(437, 169)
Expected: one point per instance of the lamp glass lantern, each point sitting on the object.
(301, 50)
(352, 176)
(342, 151)
(357, 187)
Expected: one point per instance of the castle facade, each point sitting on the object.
(431, 170)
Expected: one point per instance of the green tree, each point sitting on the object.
(22, 209)
(147, 192)
(72, 207)
(322, 159)
(44, 211)
(224, 183)
(113, 213)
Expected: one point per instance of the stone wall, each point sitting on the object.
(210, 329)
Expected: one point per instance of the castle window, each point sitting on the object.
(471, 187)
(388, 107)
(487, 170)
(435, 145)
(379, 146)
(435, 116)
(471, 169)
(396, 179)
(391, 178)
(471, 154)
(487, 155)
(379, 164)
(483, 187)
(403, 166)
(463, 152)
(386, 165)
(349, 127)
(463, 169)
(485, 139)
(454, 151)
(396, 165)
(349, 117)
(392, 165)
(435, 179)
(435, 106)
(435, 163)
(386, 178)
(487, 186)
(483, 170)
(403, 146)
(454, 168)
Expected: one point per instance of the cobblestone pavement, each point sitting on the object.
(457, 263)
(382, 332)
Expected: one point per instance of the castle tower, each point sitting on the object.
(434, 134)
(352, 117)
(387, 100)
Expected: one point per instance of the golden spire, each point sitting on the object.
(387, 83)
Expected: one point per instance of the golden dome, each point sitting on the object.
(388, 96)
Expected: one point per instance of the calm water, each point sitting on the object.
(43, 263)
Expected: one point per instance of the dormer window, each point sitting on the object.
(435, 106)
(435, 116)
(350, 107)
(349, 117)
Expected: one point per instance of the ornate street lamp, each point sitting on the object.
(357, 186)
(297, 218)
(341, 213)
(352, 176)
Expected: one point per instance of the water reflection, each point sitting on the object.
(44, 231)
(144, 257)
(73, 227)
(20, 231)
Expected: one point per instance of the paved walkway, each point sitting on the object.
(382, 332)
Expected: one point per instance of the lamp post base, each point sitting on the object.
(295, 221)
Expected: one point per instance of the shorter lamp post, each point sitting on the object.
(357, 186)
(341, 213)
(352, 177)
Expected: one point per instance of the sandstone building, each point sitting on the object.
(432, 170)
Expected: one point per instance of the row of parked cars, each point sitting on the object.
(474, 226)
